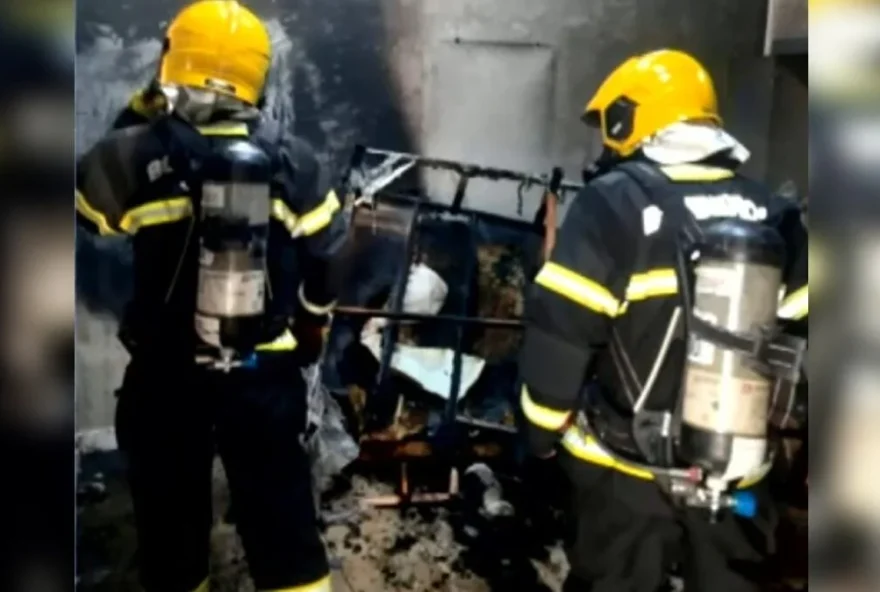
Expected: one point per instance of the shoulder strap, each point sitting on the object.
(655, 182)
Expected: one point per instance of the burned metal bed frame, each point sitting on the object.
(367, 182)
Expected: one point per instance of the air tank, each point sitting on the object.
(726, 398)
(234, 227)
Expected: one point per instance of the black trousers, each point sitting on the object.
(170, 420)
(624, 536)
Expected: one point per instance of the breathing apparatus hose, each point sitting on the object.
(659, 473)
(684, 294)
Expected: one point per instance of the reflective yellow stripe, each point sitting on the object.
(586, 448)
(685, 173)
(315, 309)
(322, 585)
(755, 477)
(543, 417)
(94, 216)
(310, 222)
(224, 129)
(203, 587)
(149, 214)
(577, 288)
(320, 217)
(651, 284)
(155, 213)
(282, 213)
(796, 305)
(284, 342)
(141, 106)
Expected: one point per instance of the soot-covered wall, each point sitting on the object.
(498, 82)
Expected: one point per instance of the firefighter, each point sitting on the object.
(179, 400)
(599, 309)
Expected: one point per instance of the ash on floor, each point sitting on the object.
(385, 549)
(372, 550)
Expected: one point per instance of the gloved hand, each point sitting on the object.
(311, 336)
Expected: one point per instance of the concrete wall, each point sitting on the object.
(506, 87)
(786, 26)
(499, 82)
(789, 134)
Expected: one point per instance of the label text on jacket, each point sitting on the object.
(725, 205)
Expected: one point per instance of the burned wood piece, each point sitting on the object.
(407, 438)
(551, 220)
(548, 213)
(406, 497)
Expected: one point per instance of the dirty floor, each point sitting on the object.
(377, 550)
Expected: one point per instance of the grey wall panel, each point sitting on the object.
(475, 112)
(586, 39)
(789, 132)
(747, 107)
(787, 24)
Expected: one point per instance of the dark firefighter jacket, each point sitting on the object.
(599, 308)
(158, 207)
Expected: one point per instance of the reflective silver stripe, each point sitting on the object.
(315, 309)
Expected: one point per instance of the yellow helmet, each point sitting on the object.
(647, 93)
(217, 45)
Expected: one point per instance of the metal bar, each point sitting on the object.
(460, 190)
(452, 402)
(404, 481)
(390, 331)
(485, 425)
(395, 198)
(470, 170)
(377, 185)
(389, 501)
(359, 311)
(355, 161)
